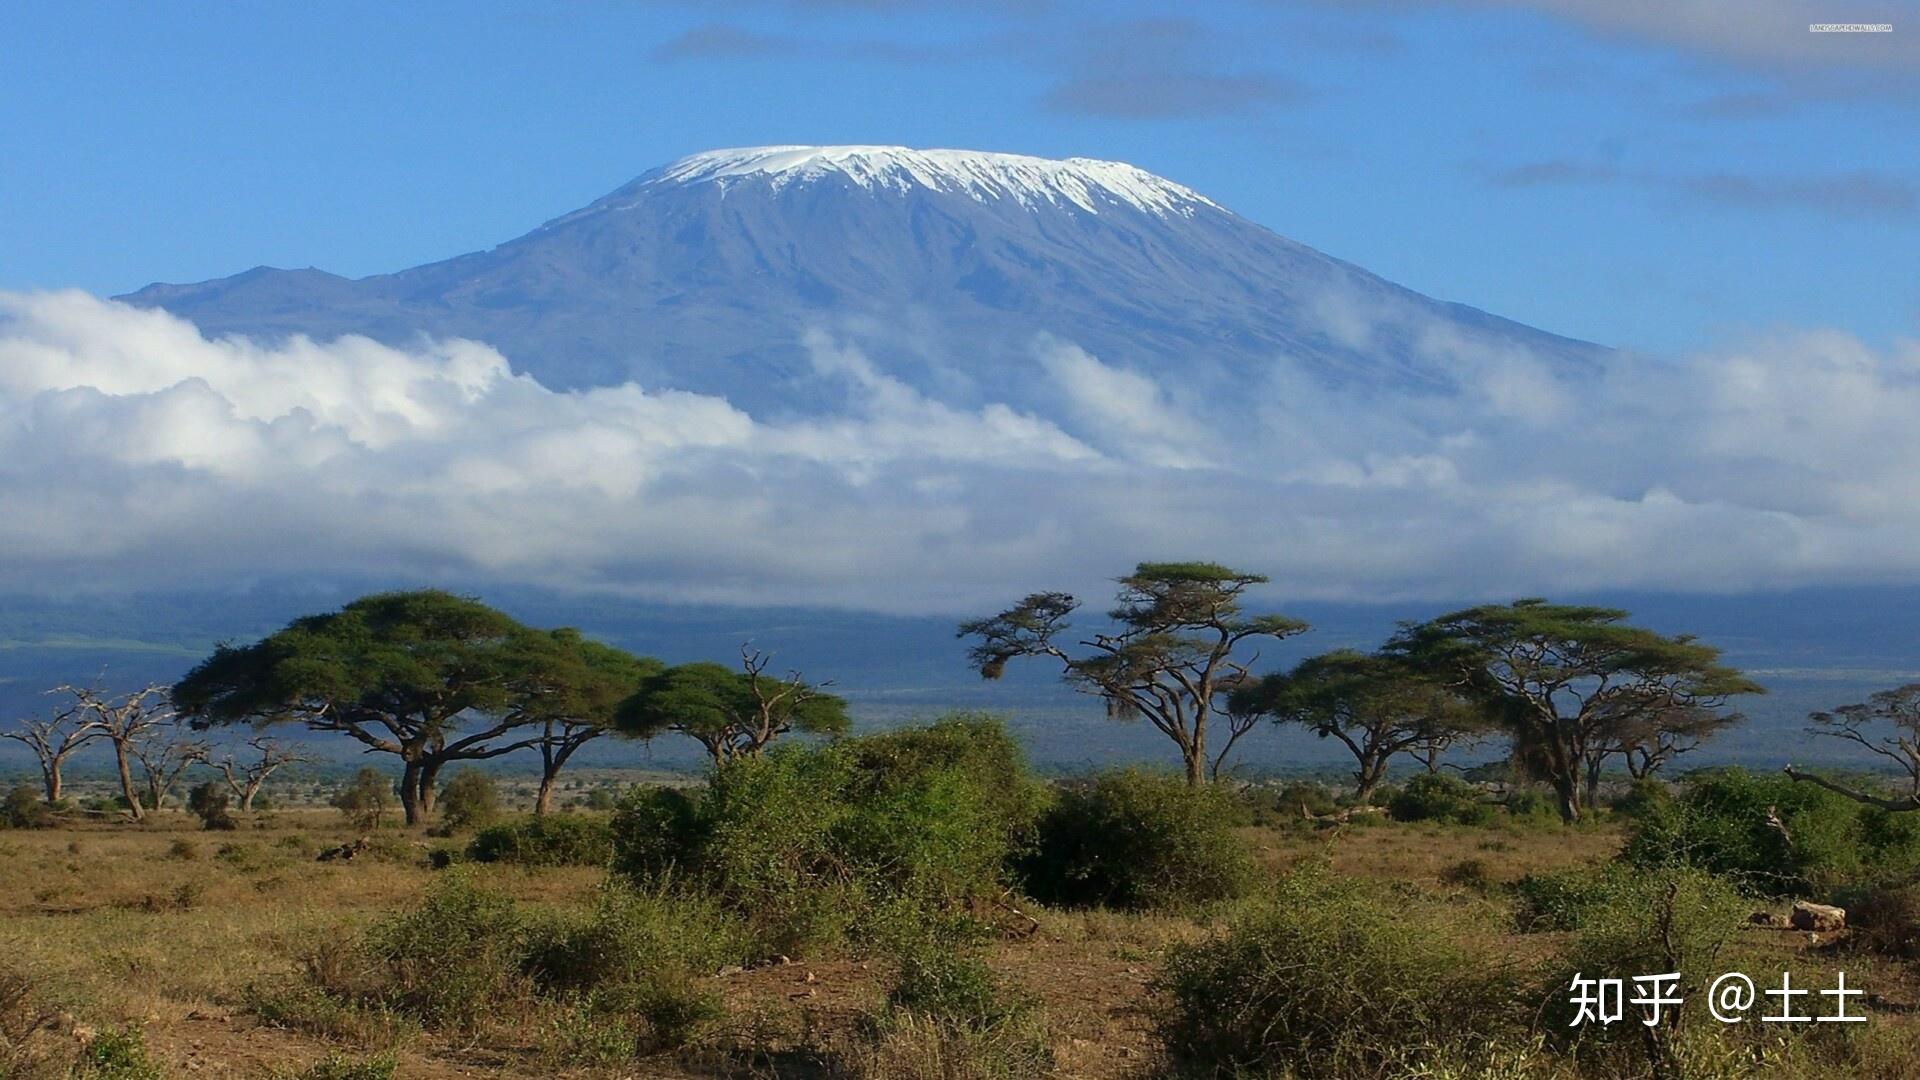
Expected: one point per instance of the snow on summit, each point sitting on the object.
(1031, 181)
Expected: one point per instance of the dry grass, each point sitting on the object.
(155, 926)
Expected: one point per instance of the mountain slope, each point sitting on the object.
(704, 275)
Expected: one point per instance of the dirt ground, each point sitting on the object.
(166, 927)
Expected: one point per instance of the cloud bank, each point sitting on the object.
(136, 453)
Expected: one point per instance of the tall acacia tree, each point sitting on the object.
(1562, 678)
(426, 676)
(1172, 658)
(733, 714)
(568, 693)
(1376, 706)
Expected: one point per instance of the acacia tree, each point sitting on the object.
(1646, 741)
(1376, 706)
(53, 739)
(246, 778)
(733, 714)
(1170, 660)
(426, 676)
(569, 695)
(1899, 710)
(124, 721)
(1561, 677)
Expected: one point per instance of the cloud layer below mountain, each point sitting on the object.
(136, 453)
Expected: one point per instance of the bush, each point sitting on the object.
(453, 959)
(1886, 921)
(1470, 873)
(1326, 979)
(1777, 837)
(365, 800)
(1435, 797)
(633, 937)
(1646, 798)
(24, 810)
(117, 1055)
(208, 802)
(548, 840)
(1137, 840)
(469, 800)
(338, 1066)
(599, 799)
(808, 841)
(1302, 799)
(1562, 899)
(1677, 919)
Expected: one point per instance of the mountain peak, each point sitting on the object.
(1088, 183)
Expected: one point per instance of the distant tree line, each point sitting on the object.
(432, 678)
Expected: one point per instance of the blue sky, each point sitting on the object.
(1665, 175)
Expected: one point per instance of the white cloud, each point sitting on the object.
(133, 452)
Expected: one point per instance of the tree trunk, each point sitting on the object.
(1593, 783)
(1367, 780)
(52, 778)
(429, 783)
(543, 799)
(246, 796)
(127, 790)
(1566, 785)
(410, 792)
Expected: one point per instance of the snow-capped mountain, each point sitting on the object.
(945, 265)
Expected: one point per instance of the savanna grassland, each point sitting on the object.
(227, 953)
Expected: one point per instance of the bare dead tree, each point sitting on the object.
(1899, 711)
(164, 751)
(246, 778)
(123, 720)
(53, 739)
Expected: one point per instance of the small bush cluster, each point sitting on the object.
(467, 801)
(1137, 840)
(22, 809)
(1324, 978)
(808, 844)
(1436, 797)
(1778, 837)
(547, 840)
(632, 974)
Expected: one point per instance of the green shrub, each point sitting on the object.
(468, 800)
(1533, 806)
(1436, 797)
(1469, 873)
(364, 801)
(600, 799)
(208, 801)
(1324, 978)
(24, 810)
(805, 842)
(1677, 919)
(338, 1066)
(634, 937)
(117, 1055)
(547, 840)
(1778, 837)
(1561, 899)
(1304, 798)
(454, 958)
(1137, 840)
(1646, 798)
